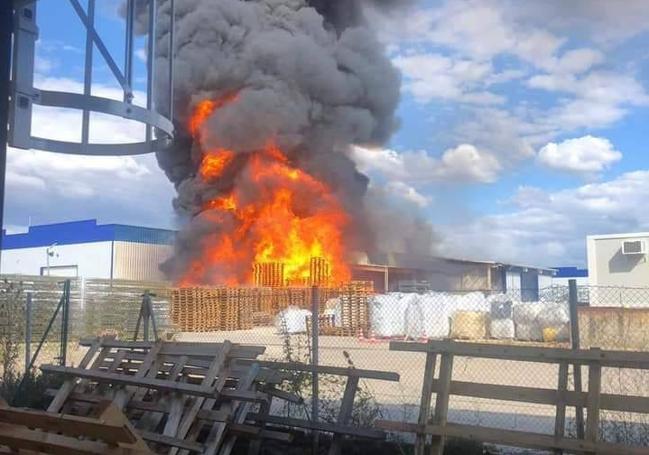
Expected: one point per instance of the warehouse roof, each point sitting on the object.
(571, 272)
(85, 231)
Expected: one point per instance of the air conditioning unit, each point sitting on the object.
(634, 247)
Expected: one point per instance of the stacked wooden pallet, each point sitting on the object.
(188, 309)
(319, 272)
(268, 274)
(215, 308)
(264, 300)
(194, 397)
(354, 300)
(178, 396)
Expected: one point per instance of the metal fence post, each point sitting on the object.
(573, 301)
(28, 332)
(315, 331)
(65, 322)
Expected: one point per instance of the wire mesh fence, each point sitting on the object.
(354, 328)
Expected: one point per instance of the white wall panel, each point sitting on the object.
(91, 259)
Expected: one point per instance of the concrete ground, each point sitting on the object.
(400, 400)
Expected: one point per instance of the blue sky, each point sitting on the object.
(523, 127)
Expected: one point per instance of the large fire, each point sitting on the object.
(272, 212)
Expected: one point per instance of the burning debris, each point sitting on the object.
(270, 95)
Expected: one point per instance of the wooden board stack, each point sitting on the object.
(354, 299)
(268, 274)
(178, 396)
(203, 309)
(195, 397)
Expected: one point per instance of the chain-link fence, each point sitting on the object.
(354, 327)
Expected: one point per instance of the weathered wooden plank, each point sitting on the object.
(196, 349)
(69, 384)
(20, 438)
(172, 442)
(211, 384)
(147, 369)
(615, 359)
(593, 402)
(442, 400)
(425, 403)
(609, 402)
(560, 414)
(345, 413)
(238, 410)
(177, 402)
(68, 425)
(321, 369)
(157, 384)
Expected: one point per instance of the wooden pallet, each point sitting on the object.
(268, 274)
(180, 397)
(319, 272)
(31, 431)
(354, 299)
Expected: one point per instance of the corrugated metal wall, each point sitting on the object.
(139, 261)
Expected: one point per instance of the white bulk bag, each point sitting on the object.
(502, 329)
(292, 320)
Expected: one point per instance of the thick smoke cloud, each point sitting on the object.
(342, 14)
(310, 75)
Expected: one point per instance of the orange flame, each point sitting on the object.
(214, 164)
(275, 212)
(204, 109)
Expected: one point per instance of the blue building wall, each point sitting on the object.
(85, 231)
(571, 272)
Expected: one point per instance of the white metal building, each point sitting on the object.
(87, 249)
(618, 260)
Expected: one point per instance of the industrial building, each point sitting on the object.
(87, 249)
(564, 274)
(618, 260)
(114, 251)
(396, 272)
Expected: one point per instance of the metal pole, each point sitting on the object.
(150, 86)
(28, 332)
(65, 321)
(6, 29)
(145, 315)
(315, 332)
(574, 338)
(87, 75)
(128, 50)
(172, 26)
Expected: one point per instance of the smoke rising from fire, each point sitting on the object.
(308, 79)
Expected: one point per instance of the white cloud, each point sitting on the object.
(600, 98)
(465, 163)
(407, 192)
(434, 76)
(576, 61)
(586, 155)
(462, 164)
(454, 52)
(550, 228)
